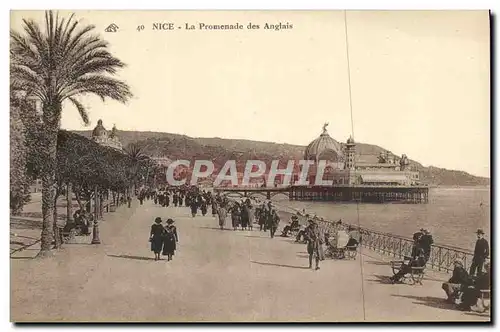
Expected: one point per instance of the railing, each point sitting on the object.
(441, 257)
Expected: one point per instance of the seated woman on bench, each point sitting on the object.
(416, 261)
(293, 226)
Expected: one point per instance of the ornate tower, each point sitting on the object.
(350, 153)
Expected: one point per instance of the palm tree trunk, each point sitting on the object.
(48, 189)
(69, 202)
(57, 235)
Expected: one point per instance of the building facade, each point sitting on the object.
(105, 138)
(342, 168)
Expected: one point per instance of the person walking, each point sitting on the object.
(313, 236)
(481, 253)
(204, 207)
(170, 239)
(235, 215)
(274, 221)
(214, 208)
(156, 237)
(194, 207)
(175, 199)
(222, 213)
(251, 214)
(167, 199)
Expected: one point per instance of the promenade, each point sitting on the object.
(215, 276)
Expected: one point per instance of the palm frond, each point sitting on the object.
(81, 110)
(104, 87)
(63, 61)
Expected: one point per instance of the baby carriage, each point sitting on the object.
(341, 246)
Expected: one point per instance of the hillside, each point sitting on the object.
(219, 150)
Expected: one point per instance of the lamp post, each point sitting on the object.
(95, 230)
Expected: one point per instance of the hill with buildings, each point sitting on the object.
(219, 150)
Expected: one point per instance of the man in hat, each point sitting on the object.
(481, 252)
(313, 242)
(459, 279)
(425, 243)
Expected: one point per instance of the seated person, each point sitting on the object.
(352, 242)
(294, 225)
(471, 293)
(83, 223)
(417, 261)
(459, 278)
(301, 235)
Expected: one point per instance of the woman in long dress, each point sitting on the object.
(251, 214)
(214, 207)
(244, 216)
(222, 213)
(235, 215)
(156, 237)
(170, 239)
(194, 208)
(203, 207)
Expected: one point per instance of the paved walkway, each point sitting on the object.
(215, 276)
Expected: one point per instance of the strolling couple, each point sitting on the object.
(163, 237)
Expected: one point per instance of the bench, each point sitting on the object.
(342, 253)
(351, 252)
(415, 276)
(485, 299)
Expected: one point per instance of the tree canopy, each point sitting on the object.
(87, 164)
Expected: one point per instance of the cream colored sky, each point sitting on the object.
(420, 80)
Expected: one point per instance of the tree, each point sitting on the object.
(139, 160)
(19, 179)
(58, 65)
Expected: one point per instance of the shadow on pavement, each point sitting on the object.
(281, 265)
(431, 301)
(22, 257)
(378, 263)
(479, 314)
(381, 279)
(216, 228)
(140, 258)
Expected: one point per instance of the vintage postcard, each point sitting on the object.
(250, 166)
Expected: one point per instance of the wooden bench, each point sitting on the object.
(415, 276)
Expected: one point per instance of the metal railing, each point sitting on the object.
(441, 257)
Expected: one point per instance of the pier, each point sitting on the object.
(339, 193)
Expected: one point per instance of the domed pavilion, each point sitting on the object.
(324, 148)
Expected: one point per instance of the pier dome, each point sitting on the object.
(324, 148)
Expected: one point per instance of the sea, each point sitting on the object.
(453, 215)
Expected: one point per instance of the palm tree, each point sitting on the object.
(57, 65)
(138, 158)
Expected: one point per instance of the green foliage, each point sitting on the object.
(87, 164)
(19, 179)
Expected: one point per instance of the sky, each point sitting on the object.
(420, 80)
